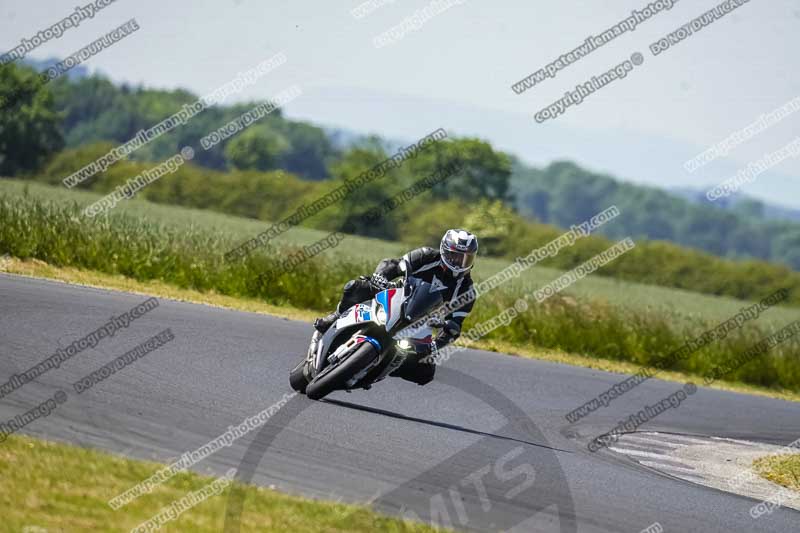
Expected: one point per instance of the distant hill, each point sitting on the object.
(740, 203)
(658, 158)
(75, 73)
(563, 193)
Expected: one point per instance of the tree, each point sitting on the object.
(310, 150)
(29, 124)
(484, 172)
(788, 248)
(68, 161)
(425, 227)
(348, 214)
(493, 222)
(256, 149)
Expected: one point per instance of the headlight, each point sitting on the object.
(403, 344)
(380, 316)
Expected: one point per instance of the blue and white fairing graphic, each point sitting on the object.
(387, 307)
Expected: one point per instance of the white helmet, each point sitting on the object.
(458, 250)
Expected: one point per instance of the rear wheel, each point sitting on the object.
(327, 382)
(297, 378)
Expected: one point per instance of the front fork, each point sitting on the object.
(308, 369)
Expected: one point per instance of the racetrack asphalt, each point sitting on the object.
(484, 447)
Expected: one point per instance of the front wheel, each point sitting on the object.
(335, 378)
(297, 377)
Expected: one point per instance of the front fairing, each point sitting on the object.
(387, 307)
(397, 308)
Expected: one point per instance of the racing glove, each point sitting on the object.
(380, 283)
(450, 331)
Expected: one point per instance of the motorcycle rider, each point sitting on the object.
(447, 270)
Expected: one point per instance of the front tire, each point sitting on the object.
(297, 378)
(336, 378)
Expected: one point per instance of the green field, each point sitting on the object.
(680, 304)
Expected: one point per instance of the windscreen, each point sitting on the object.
(422, 299)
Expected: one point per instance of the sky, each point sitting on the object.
(455, 71)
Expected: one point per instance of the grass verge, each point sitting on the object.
(59, 487)
(781, 469)
(39, 269)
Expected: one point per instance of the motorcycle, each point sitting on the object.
(368, 342)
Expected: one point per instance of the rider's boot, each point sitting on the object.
(322, 324)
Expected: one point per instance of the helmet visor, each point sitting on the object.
(458, 260)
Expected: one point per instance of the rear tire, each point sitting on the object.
(297, 378)
(336, 378)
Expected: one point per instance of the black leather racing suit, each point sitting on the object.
(426, 264)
